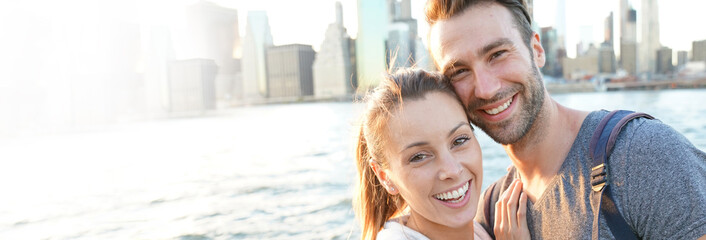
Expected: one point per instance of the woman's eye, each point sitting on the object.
(460, 141)
(418, 157)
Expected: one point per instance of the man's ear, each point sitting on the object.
(384, 177)
(537, 50)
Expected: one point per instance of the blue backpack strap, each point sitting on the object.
(600, 149)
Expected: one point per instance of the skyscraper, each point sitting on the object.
(373, 17)
(606, 59)
(289, 71)
(698, 50)
(560, 20)
(192, 85)
(650, 42)
(628, 42)
(213, 31)
(332, 66)
(664, 61)
(257, 39)
(552, 66)
(608, 28)
(402, 35)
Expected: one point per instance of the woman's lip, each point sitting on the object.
(463, 201)
(453, 188)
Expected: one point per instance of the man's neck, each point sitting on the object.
(538, 156)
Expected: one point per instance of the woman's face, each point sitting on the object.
(434, 161)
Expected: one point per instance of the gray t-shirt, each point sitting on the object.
(656, 176)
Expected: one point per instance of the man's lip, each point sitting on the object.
(496, 104)
(501, 115)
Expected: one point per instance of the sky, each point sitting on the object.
(307, 26)
(306, 21)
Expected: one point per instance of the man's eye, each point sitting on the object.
(497, 54)
(456, 73)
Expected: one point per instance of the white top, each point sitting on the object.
(394, 229)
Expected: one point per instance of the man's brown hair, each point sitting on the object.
(437, 10)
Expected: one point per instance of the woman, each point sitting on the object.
(420, 167)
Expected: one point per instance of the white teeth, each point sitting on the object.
(460, 192)
(499, 108)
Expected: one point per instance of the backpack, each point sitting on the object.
(601, 147)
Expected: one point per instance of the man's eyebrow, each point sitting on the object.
(451, 65)
(483, 51)
(497, 43)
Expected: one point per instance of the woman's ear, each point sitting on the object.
(383, 177)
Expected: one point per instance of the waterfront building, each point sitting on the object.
(664, 61)
(400, 44)
(608, 30)
(628, 42)
(581, 67)
(192, 85)
(553, 53)
(332, 66)
(560, 21)
(213, 34)
(257, 39)
(628, 56)
(158, 50)
(402, 35)
(373, 18)
(585, 38)
(698, 50)
(650, 43)
(606, 58)
(422, 59)
(289, 70)
(682, 59)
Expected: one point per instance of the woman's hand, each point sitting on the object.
(510, 217)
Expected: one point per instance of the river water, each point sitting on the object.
(266, 172)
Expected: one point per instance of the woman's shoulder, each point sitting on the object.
(395, 229)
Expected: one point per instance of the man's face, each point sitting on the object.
(491, 69)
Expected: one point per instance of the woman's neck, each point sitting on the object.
(434, 230)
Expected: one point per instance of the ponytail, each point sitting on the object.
(373, 204)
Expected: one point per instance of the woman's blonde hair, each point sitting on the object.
(373, 204)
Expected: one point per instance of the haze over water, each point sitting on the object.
(265, 172)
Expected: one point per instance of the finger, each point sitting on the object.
(522, 211)
(502, 220)
(512, 204)
(499, 216)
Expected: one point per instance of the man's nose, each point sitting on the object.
(486, 85)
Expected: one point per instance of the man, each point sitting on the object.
(492, 57)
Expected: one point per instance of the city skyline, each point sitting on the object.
(578, 14)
